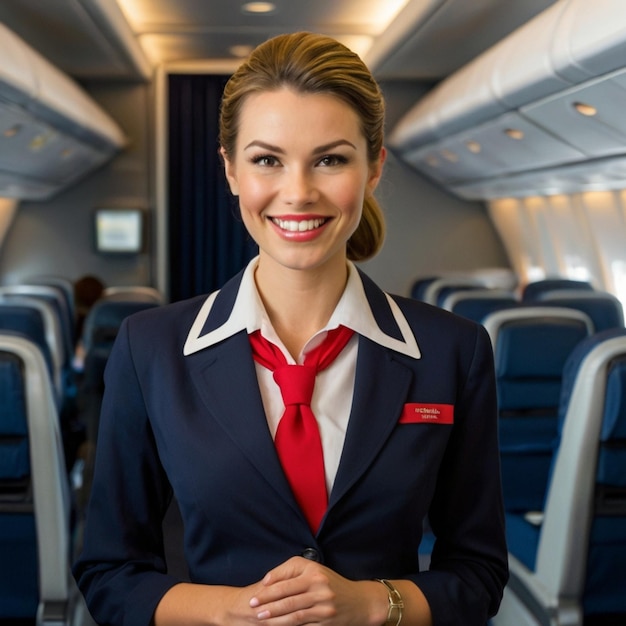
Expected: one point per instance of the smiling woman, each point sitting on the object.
(304, 494)
(301, 171)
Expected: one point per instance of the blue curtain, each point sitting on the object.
(207, 240)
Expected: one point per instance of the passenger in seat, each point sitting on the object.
(303, 497)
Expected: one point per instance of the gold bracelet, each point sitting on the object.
(394, 614)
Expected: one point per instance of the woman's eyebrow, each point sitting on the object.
(319, 150)
(334, 144)
(265, 146)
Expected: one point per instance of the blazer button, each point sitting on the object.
(312, 554)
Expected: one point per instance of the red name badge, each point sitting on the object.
(427, 413)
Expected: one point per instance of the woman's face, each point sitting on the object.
(301, 172)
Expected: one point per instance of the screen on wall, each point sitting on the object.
(119, 231)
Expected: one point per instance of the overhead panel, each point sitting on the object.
(544, 110)
(51, 132)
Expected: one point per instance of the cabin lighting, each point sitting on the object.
(473, 146)
(514, 133)
(448, 155)
(258, 7)
(585, 109)
(11, 132)
(38, 142)
(240, 51)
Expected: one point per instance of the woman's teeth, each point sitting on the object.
(298, 226)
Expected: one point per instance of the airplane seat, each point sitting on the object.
(99, 332)
(604, 309)
(476, 304)
(18, 593)
(105, 317)
(567, 561)
(134, 293)
(533, 291)
(57, 297)
(53, 296)
(436, 292)
(34, 320)
(531, 345)
(419, 286)
(36, 586)
(64, 285)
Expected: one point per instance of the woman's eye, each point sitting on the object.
(332, 159)
(266, 160)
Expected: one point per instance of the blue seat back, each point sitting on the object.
(439, 289)
(476, 304)
(57, 300)
(28, 321)
(35, 534)
(604, 309)
(418, 288)
(535, 291)
(105, 317)
(531, 346)
(569, 566)
(19, 589)
(605, 581)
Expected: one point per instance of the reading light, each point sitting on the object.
(432, 160)
(514, 133)
(473, 146)
(38, 142)
(11, 132)
(240, 51)
(448, 155)
(585, 109)
(258, 7)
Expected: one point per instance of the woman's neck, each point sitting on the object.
(299, 302)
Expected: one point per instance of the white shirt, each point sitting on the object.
(334, 386)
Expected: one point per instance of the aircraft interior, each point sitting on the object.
(505, 198)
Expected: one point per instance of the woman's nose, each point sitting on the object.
(299, 188)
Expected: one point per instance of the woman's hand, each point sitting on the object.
(301, 591)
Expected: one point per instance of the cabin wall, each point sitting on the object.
(429, 230)
(55, 237)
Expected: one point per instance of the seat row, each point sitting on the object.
(560, 362)
(474, 298)
(39, 521)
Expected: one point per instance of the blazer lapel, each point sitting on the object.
(381, 388)
(228, 386)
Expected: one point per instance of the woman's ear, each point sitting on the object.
(376, 172)
(231, 176)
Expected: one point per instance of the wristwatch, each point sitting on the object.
(394, 614)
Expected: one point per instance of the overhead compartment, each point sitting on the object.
(530, 114)
(51, 132)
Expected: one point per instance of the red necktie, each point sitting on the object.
(297, 440)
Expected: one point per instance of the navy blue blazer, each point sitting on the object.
(194, 427)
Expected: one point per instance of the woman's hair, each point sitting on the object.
(310, 63)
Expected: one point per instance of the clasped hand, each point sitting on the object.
(300, 591)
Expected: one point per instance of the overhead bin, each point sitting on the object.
(548, 97)
(51, 132)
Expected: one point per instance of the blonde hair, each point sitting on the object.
(311, 63)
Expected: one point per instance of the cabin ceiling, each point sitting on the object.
(416, 40)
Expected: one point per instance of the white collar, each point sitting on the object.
(353, 311)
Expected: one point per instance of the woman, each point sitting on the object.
(405, 411)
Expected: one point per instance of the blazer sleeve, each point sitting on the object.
(122, 558)
(469, 568)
